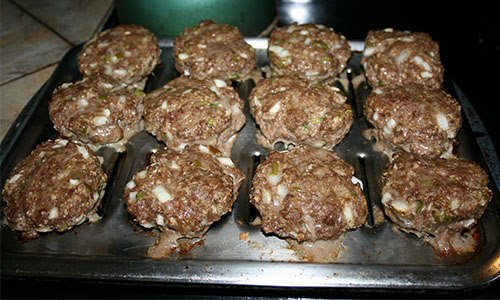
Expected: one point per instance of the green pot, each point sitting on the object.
(170, 17)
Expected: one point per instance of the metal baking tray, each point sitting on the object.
(372, 256)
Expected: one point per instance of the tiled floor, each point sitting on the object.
(34, 36)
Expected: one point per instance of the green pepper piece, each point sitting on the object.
(140, 195)
(275, 168)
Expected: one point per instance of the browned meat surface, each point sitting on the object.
(128, 53)
(183, 193)
(294, 111)
(307, 194)
(211, 50)
(393, 57)
(312, 52)
(57, 186)
(438, 199)
(98, 110)
(190, 111)
(414, 119)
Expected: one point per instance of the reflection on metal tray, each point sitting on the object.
(111, 249)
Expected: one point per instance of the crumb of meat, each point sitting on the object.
(243, 236)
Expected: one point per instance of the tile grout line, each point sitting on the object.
(29, 73)
(42, 23)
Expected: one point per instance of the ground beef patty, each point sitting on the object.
(294, 111)
(189, 111)
(435, 198)
(310, 51)
(307, 194)
(98, 110)
(57, 186)
(393, 57)
(414, 119)
(211, 50)
(128, 53)
(182, 194)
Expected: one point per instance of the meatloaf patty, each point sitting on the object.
(190, 111)
(182, 194)
(414, 119)
(98, 110)
(211, 50)
(294, 111)
(312, 52)
(128, 53)
(307, 194)
(435, 198)
(57, 186)
(393, 57)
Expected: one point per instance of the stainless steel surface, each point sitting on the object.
(111, 249)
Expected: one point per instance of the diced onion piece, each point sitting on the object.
(161, 194)
(226, 161)
(279, 51)
(83, 151)
(391, 124)
(442, 122)
(386, 198)
(100, 120)
(275, 108)
(204, 149)
(132, 196)
(142, 174)
(426, 74)
(274, 179)
(130, 184)
(266, 196)
(173, 165)
(54, 213)
(183, 56)
(60, 143)
(82, 103)
(402, 57)
(120, 72)
(368, 52)
(400, 205)
(160, 220)
(14, 178)
(419, 61)
(220, 83)
(282, 190)
(348, 214)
